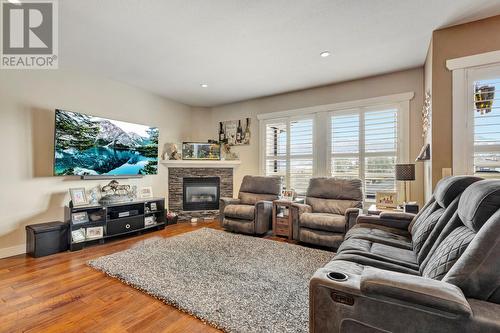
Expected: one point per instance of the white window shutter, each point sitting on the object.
(276, 153)
(301, 154)
(345, 145)
(381, 128)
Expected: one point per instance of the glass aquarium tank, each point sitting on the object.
(200, 151)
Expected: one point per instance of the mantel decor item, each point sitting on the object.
(172, 152)
(114, 192)
(78, 197)
(200, 151)
(405, 172)
(235, 132)
(229, 155)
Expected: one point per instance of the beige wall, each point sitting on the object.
(399, 82)
(29, 194)
(454, 42)
(28, 98)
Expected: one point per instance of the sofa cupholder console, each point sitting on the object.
(337, 276)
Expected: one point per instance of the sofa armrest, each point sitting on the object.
(223, 202)
(351, 215)
(397, 216)
(302, 208)
(263, 216)
(384, 221)
(296, 210)
(414, 290)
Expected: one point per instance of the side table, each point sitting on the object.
(282, 217)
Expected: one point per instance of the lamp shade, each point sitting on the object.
(405, 171)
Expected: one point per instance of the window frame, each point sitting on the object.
(321, 130)
(463, 119)
(402, 152)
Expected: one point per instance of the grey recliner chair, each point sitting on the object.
(455, 288)
(251, 213)
(330, 209)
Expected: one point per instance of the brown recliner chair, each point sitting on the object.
(251, 213)
(331, 208)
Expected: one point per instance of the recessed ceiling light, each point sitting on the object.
(15, 2)
(325, 54)
(204, 85)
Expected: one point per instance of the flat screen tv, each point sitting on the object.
(91, 146)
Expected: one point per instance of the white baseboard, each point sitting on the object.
(12, 251)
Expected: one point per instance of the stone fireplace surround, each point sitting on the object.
(175, 188)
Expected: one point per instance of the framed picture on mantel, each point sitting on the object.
(235, 132)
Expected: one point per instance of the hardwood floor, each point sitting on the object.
(60, 293)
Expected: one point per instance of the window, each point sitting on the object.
(364, 146)
(301, 154)
(476, 116)
(360, 139)
(276, 149)
(486, 119)
(290, 156)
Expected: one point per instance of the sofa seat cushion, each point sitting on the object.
(381, 234)
(243, 212)
(239, 226)
(323, 221)
(320, 237)
(381, 252)
(374, 262)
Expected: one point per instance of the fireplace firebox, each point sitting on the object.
(201, 193)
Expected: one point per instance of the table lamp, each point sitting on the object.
(405, 172)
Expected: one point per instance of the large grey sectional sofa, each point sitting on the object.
(438, 271)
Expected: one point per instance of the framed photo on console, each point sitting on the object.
(78, 196)
(78, 235)
(387, 199)
(80, 217)
(94, 233)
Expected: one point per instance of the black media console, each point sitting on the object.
(95, 223)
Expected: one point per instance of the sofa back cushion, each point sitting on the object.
(451, 187)
(331, 206)
(261, 185)
(247, 198)
(468, 251)
(334, 195)
(335, 188)
(258, 188)
(427, 226)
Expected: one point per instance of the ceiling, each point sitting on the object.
(246, 49)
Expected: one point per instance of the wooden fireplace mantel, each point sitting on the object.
(200, 164)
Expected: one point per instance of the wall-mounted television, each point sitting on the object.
(92, 146)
